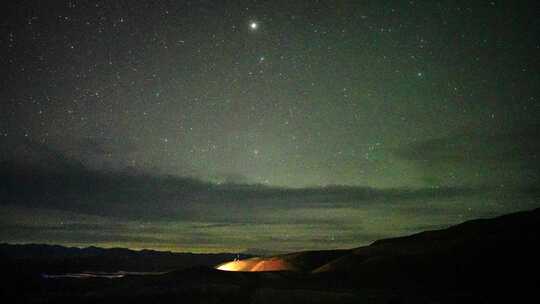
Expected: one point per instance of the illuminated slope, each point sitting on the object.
(257, 264)
(304, 261)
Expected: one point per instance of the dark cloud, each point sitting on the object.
(101, 227)
(27, 153)
(501, 157)
(72, 187)
(514, 146)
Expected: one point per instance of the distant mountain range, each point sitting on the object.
(55, 258)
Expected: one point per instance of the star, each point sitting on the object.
(253, 25)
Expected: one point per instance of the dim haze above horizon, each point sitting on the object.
(212, 126)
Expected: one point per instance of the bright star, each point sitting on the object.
(253, 25)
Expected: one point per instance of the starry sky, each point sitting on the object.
(211, 126)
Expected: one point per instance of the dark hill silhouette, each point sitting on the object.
(480, 261)
(42, 258)
(476, 254)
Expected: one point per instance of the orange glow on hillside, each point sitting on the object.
(256, 264)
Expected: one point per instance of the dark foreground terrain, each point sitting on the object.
(481, 261)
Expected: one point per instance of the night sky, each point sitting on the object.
(272, 125)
